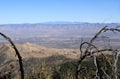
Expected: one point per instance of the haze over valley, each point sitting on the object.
(55, 35)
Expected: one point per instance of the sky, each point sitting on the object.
(37, 11)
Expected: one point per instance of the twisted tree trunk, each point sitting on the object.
(17, 53)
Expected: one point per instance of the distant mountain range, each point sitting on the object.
(61, 22)
(54, 34)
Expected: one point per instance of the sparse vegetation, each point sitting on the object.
(67, 70)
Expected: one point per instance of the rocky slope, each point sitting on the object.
(32, 55)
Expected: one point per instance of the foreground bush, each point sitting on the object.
(67, 70)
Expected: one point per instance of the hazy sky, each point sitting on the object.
(35, 11)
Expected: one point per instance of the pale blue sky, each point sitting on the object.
(36, 11)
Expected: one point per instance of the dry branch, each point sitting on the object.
(88, 52)
(17, 53)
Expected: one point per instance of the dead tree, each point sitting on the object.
(91, 49)
(17, 53)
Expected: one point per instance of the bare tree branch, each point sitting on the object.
(88, 52)
(17, 53)
(115, 64)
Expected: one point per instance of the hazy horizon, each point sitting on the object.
(64, 22)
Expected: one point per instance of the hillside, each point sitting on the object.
(32, 56)
(28, 50)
